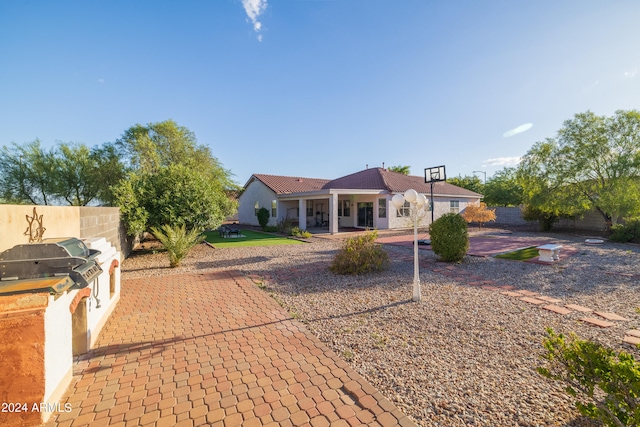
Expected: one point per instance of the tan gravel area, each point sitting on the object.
(464, 355)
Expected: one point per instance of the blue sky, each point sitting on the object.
(318, 88)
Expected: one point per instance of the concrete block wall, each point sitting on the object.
(508, 216)
(591, 220)
(512, 216)
(104, 222)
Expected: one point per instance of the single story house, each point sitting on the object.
(359, 200)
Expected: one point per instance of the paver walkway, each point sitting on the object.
(213, 349)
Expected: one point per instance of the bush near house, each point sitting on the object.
(297, 232)
(449, 237)
(263, 217)
(360, 255)
(605, 383)
(285, 226)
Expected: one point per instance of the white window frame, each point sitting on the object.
(344, 208)
(404, 211)
(382, 208)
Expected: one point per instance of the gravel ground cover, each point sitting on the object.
(464, 355)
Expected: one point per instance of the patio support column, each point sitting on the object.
(302, 217)
(333, 213)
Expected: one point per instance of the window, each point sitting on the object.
(454, 206)
(309, 207)
(274, 205)
(382, 208)
(256, 207)
(344, 208)
(404, 210)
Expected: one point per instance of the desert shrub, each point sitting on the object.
(605, 383)
(178, 241)
(284, 226)
(297, 232)
(360, 255)
(627, 232)
(263, 217)
(449, 237)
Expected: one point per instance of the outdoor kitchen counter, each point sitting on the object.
(35, 347)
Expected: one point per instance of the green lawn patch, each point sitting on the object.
(520, 254)
(250, 238)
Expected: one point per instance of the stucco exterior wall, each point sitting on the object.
(442, 205)
(256, 191)
(58, 360)
(58, 221)
(63, 221)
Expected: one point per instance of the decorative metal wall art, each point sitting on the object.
(35, 230)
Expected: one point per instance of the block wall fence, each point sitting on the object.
(512, 216)
(62, 221)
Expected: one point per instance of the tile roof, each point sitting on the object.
(289, 184)
(394, 182)
(368, 179)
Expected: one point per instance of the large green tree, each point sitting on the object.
(405, 170)
(472, 183)
(503, 189)
(67, 173)
(592, 163)
(173, 180)
(26, 173)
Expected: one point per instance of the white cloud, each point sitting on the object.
(255, 8)
(631, 73)
(502, 161)
(522, 128)
(100, 80)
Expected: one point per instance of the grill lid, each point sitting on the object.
(50, 258)
(49, 248)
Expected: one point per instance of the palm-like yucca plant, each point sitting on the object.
(178, 241)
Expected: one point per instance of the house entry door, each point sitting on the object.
(365, 214)
(320, 221)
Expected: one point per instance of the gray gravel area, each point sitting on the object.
(463, 356)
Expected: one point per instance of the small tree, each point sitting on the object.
(479, 213)
(606, 383)
(263, 217)
(449, 237)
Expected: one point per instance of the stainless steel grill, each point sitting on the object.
(51, 258)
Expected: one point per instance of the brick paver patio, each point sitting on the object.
(213, 349)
